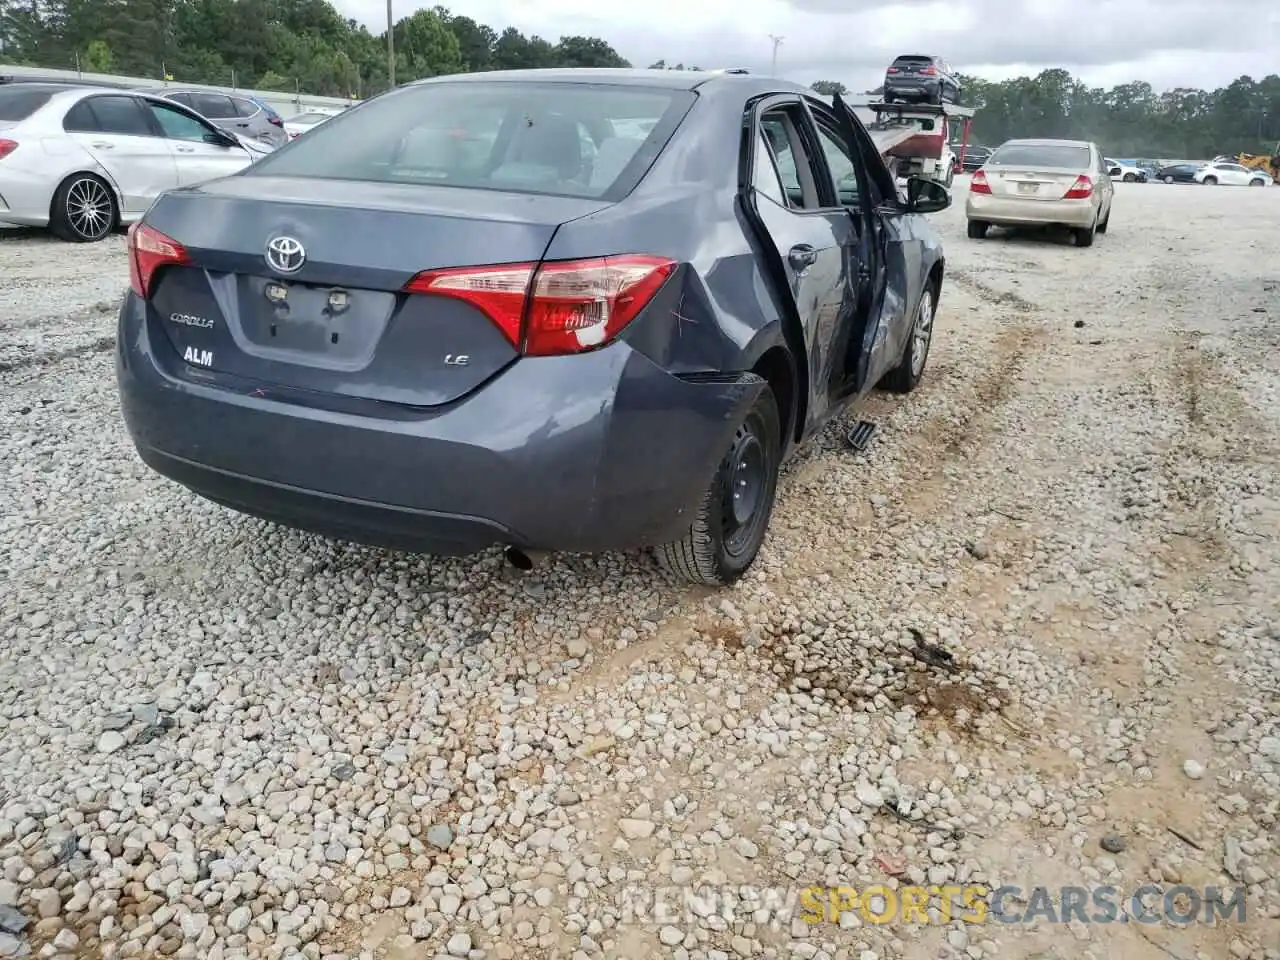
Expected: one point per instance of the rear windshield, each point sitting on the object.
(18, 104)
(569, 139)
(913, 61)
(1040, 155)
(309, 118)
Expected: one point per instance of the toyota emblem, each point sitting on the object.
(286, 255)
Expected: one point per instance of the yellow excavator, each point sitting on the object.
(1260, 161)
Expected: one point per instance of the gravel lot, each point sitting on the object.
(223, 739)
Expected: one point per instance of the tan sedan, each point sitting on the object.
(1028, 183)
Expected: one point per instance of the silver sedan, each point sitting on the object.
(84, 161)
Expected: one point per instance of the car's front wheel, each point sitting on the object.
(1130, 177)
(84, 209)
(1210, 181)
(1168, 179)
(731, 522)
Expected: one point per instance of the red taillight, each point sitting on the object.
(557, 308)
(149, 250)
(7, 147)
(1080, 190)
(978, 182)
(929, 71)
(274, 121)
(892, 70)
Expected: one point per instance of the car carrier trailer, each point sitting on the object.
(915, 137)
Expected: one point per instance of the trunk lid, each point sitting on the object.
(339, 324)
(1050, 183)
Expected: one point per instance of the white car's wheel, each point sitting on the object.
(84, 209)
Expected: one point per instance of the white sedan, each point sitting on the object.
(84, 161)
(1231, 175)
(297, 126)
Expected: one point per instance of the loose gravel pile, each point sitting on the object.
(1029, 637)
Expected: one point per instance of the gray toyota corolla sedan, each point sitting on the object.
(554, 310)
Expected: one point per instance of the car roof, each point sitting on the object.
(669, 79)
(1048, 142)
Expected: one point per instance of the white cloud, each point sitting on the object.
(1166, 42)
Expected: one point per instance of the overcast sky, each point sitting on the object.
(1202, 43)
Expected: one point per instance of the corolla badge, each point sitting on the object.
(285, 255)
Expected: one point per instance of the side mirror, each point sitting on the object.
(221, 139)
(926, 196)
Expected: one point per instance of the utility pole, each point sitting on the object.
(391, 46)
(777, 41)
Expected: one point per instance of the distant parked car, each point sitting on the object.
(521, 346)
(1231, 175)
(1178, 173)
(241, 115)
(1125, 171)
(918, 78)
(83, 160)
(300, 124)
(1042, 183)
(974, 157)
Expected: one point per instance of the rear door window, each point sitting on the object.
(764, 176)
(568, 139)
(17, 104)
(80, 119)
(1042, 155)
(215, 106)
(182, 98)
(119, 115)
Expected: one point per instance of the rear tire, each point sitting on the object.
(978, 229)
(1084, 235)
(733, 518)
(1102, 227)
(83, 210)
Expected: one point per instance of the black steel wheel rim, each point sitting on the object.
(745, 488)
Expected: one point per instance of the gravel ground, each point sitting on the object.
(1029, 637)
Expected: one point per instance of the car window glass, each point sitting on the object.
(244, 108)
(764, 175)
(18, 103)
(178, 125)
(549, 138)
(1041, 154)
(182, 98)
(774, 130)
(842, 167)
(80, 119)
(213, 105)
(120, 115)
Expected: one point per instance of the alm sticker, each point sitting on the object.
(202, 358)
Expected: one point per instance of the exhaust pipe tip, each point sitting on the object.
(518, 558)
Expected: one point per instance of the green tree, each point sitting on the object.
(97, 57)
(829, 88)
(586, 52)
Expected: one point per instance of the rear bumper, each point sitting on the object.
(1011, 211)
(603, 451)
(25, 198)
(916, 89)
